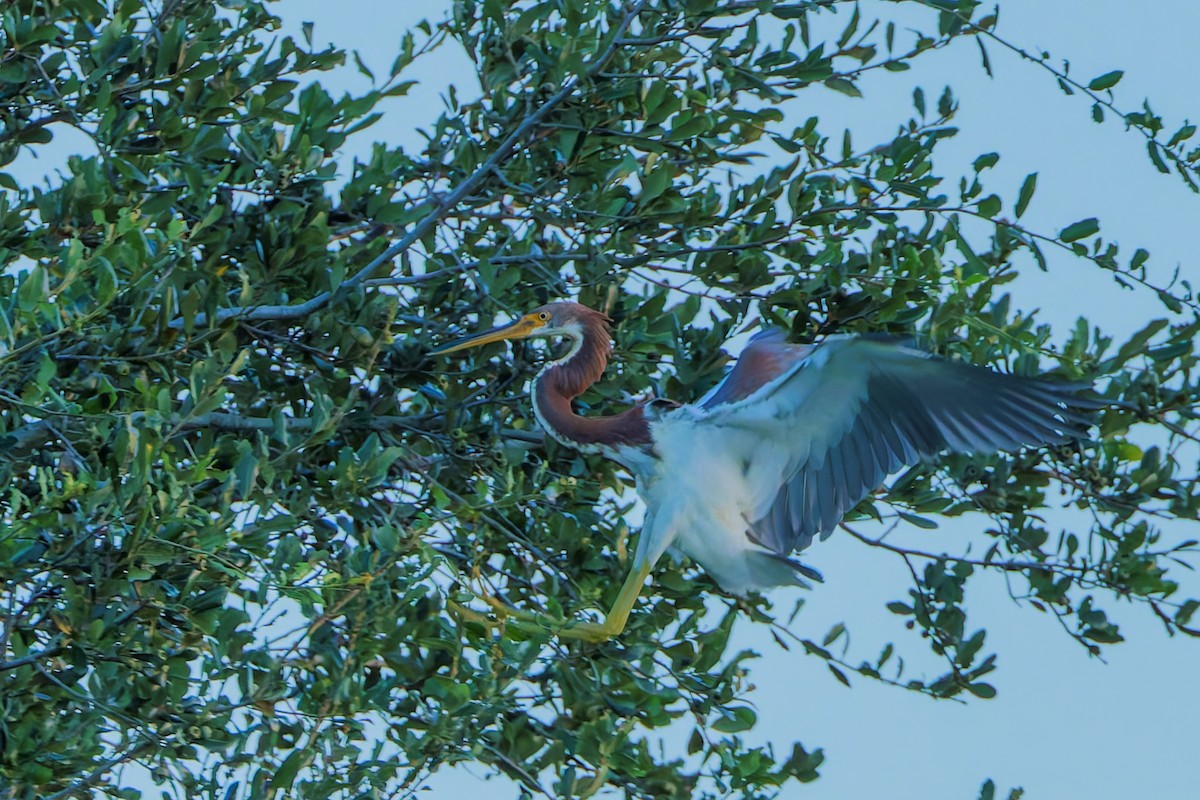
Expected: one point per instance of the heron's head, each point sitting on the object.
(571, 320)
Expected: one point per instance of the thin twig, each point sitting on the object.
(32, 658)
(447, 202)
(85, 784)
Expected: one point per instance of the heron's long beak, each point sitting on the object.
(521, 329)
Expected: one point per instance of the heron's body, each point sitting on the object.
(793, 437)
(683, 510)
(704, 512)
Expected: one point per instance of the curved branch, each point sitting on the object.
(447, 202)
(1068, 83)
(84, 785)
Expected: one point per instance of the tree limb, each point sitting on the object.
(448, 201)
(85, 783)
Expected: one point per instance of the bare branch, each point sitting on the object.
(84, 785)
(32, 658)
(447, 202)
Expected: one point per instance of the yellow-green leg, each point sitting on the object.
(614, 621)
(618, 615)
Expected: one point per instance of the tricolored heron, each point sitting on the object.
(793, 438)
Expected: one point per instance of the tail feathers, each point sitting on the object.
(772, 569)
(796, 566)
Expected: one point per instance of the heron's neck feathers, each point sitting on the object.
(584, 363)
(569, 377)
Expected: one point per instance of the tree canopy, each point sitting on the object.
(241, 503)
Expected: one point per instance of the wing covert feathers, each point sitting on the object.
(892, 407)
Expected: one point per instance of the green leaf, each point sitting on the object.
(654, 184)
(1170, 352)
(1080, 230)
(983, 690)
(1153, 148)
(983, 54)
(1170, 301)
(1038, 256)
(985, 161)
(214, 213)
(1107, 80)
(106, 279)
(1184, 615)
(791, 12)
(14, 72)
(990, 206)
(1181, 135)
(285, 776)
(834, 632)
(690, 128)
(33, 289)
(837, 673)
(1139, 257)
(844, 86)
(736, 719)
(399, 89)
(1136, 345)
(920, 522)
(245, 469)
(787, 145)
(1026, 193)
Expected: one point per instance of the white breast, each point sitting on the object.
(700, 492)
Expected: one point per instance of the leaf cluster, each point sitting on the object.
(241, 504)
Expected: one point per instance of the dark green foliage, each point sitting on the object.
(239, 498)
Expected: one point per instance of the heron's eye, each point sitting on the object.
(544, 316)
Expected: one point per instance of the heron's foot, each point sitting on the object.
(594, 632)
(505, 616)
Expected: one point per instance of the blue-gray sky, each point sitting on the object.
(1064, 725)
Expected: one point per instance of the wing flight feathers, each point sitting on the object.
(854, 410)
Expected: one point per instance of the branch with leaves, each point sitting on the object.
(238, 493)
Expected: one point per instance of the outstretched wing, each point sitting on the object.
(767, 356)
(822, 434)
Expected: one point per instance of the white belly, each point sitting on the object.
(701, 499)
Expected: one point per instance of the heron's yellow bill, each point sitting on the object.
(521, 329)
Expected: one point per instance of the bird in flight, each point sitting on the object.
(777, 453)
